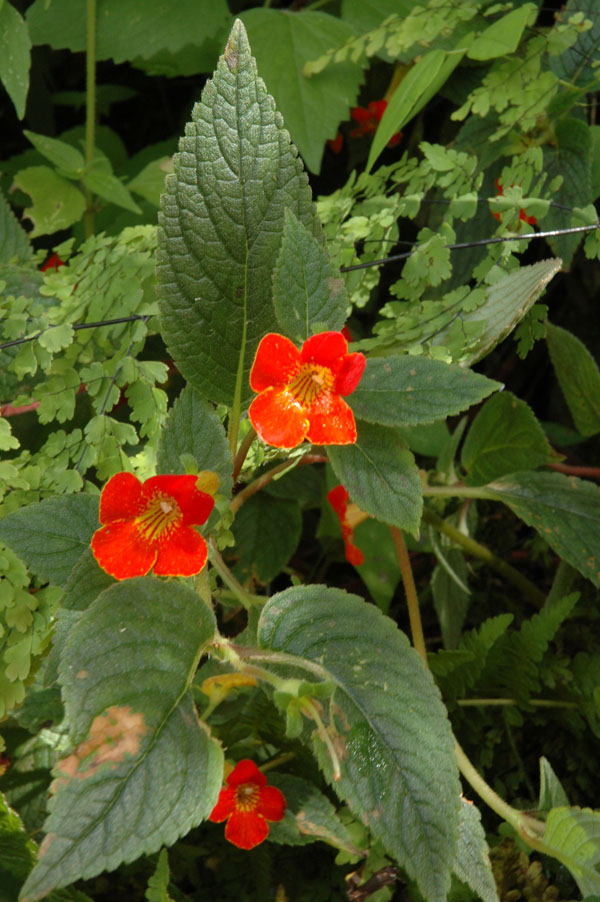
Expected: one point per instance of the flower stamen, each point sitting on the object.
(159, 518)
(311, 382)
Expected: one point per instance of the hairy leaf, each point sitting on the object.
(267, 531)
(573, 836)
(472, 864)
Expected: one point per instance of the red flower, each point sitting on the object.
(53, 262)
(336, 143)
(247, 803)
(151, 525)
(368, 120)
(300, 390)
(350, 516)
(530, 220)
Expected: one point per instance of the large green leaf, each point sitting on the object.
(473, 864)
(381, 476)
(563, 509)
(15, 56)
(138, 28)
(573, 836)
(311, 107)
(578, 377)
(309, 295)
(145, 770)
(51, 535)
(388, 726)
(221, 223)
(505, 436)
(405, 391)
(267, 531)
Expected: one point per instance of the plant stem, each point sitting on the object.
(529, 590)
(412, 599)
(247, 599)
(508, 702)
(242, 452)
(259, 483)
(90, 108)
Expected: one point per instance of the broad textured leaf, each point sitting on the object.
(570, 157)
(311, 107)
(573, 836)
(505, 436)
(15, 56)
(381, 476)
(309, 295)
(578, 377)
(221, 222)
(552, 794)
(406, 391)
(86, 581)
(267, 531)
(194, 428)
(51, 535)
(389, 727)
(472, 864)
(13, 237)
(563, 509)
(309, 815)
(128, 30)
(57, 202)
(145, 770)
(502, 36)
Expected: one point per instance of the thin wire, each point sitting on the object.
(76, 327)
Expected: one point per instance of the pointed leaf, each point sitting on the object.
(221, 223)
(15, 56)
(51, 535)
(381, 476)
(145, 771)
(504, 436)
(388, 726)
(564, 510)
(573, 836)
(406, 391)
(63, 155)
(308, 293)
(502, 36)
(578, 377)
(473, 864)
(552, 794)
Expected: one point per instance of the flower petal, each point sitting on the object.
(360, 114)
(246, 771)
(331, 421)
(276, 362)
(278, 418)
(350, 373)
(121, 498)
(246, 829)
(272, 803)
(338, 498)
(120, 551)
(325, 348)
(182, 553)
(195, 505)
(225, 805)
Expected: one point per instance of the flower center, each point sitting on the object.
(161, 515)
(247, 796)
(311, 382)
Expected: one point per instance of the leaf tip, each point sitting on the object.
(237, 41)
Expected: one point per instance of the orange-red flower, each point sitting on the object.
(247, 803)
(150, 525)
(350, 516)
(530, 220)
(368, 119)
(300, 390)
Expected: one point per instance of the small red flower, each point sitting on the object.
(247, 803)
(150, 525)
(53, 262)
(530, 220)
(300, 390)
(336, 143)
(350, 516)
(369, 118)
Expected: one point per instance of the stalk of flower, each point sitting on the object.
(150, 525)
(300, 390)
(350, 516)
(248, 804)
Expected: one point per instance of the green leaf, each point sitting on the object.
(406, 391)
(502, 37)
(149, 183)
(267, 531)
(564, 510)
(14, 242)
(192, 427)
(158, 883)
(578, 377)
(57, 338)
(381, 476)
(311, 107)
(309, 816)
(145, 770)
(577, 64)
(505, 436)
(366, 15)
(86, 581)
(15, 56)
(456, 670)
(473, 864)
(573, 836)
(7, 439)
(309, 296)
(569, 156)
(57, 202)
(451, 596)
(63, 155)
(125, 31)
(388, 726)
(221, 230)
(17, 853)
(380, 571)
(99, 178)
(552, 794)
(51, 535)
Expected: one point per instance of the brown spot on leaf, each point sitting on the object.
(82, 675)
(113, 735)
(336, 286)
